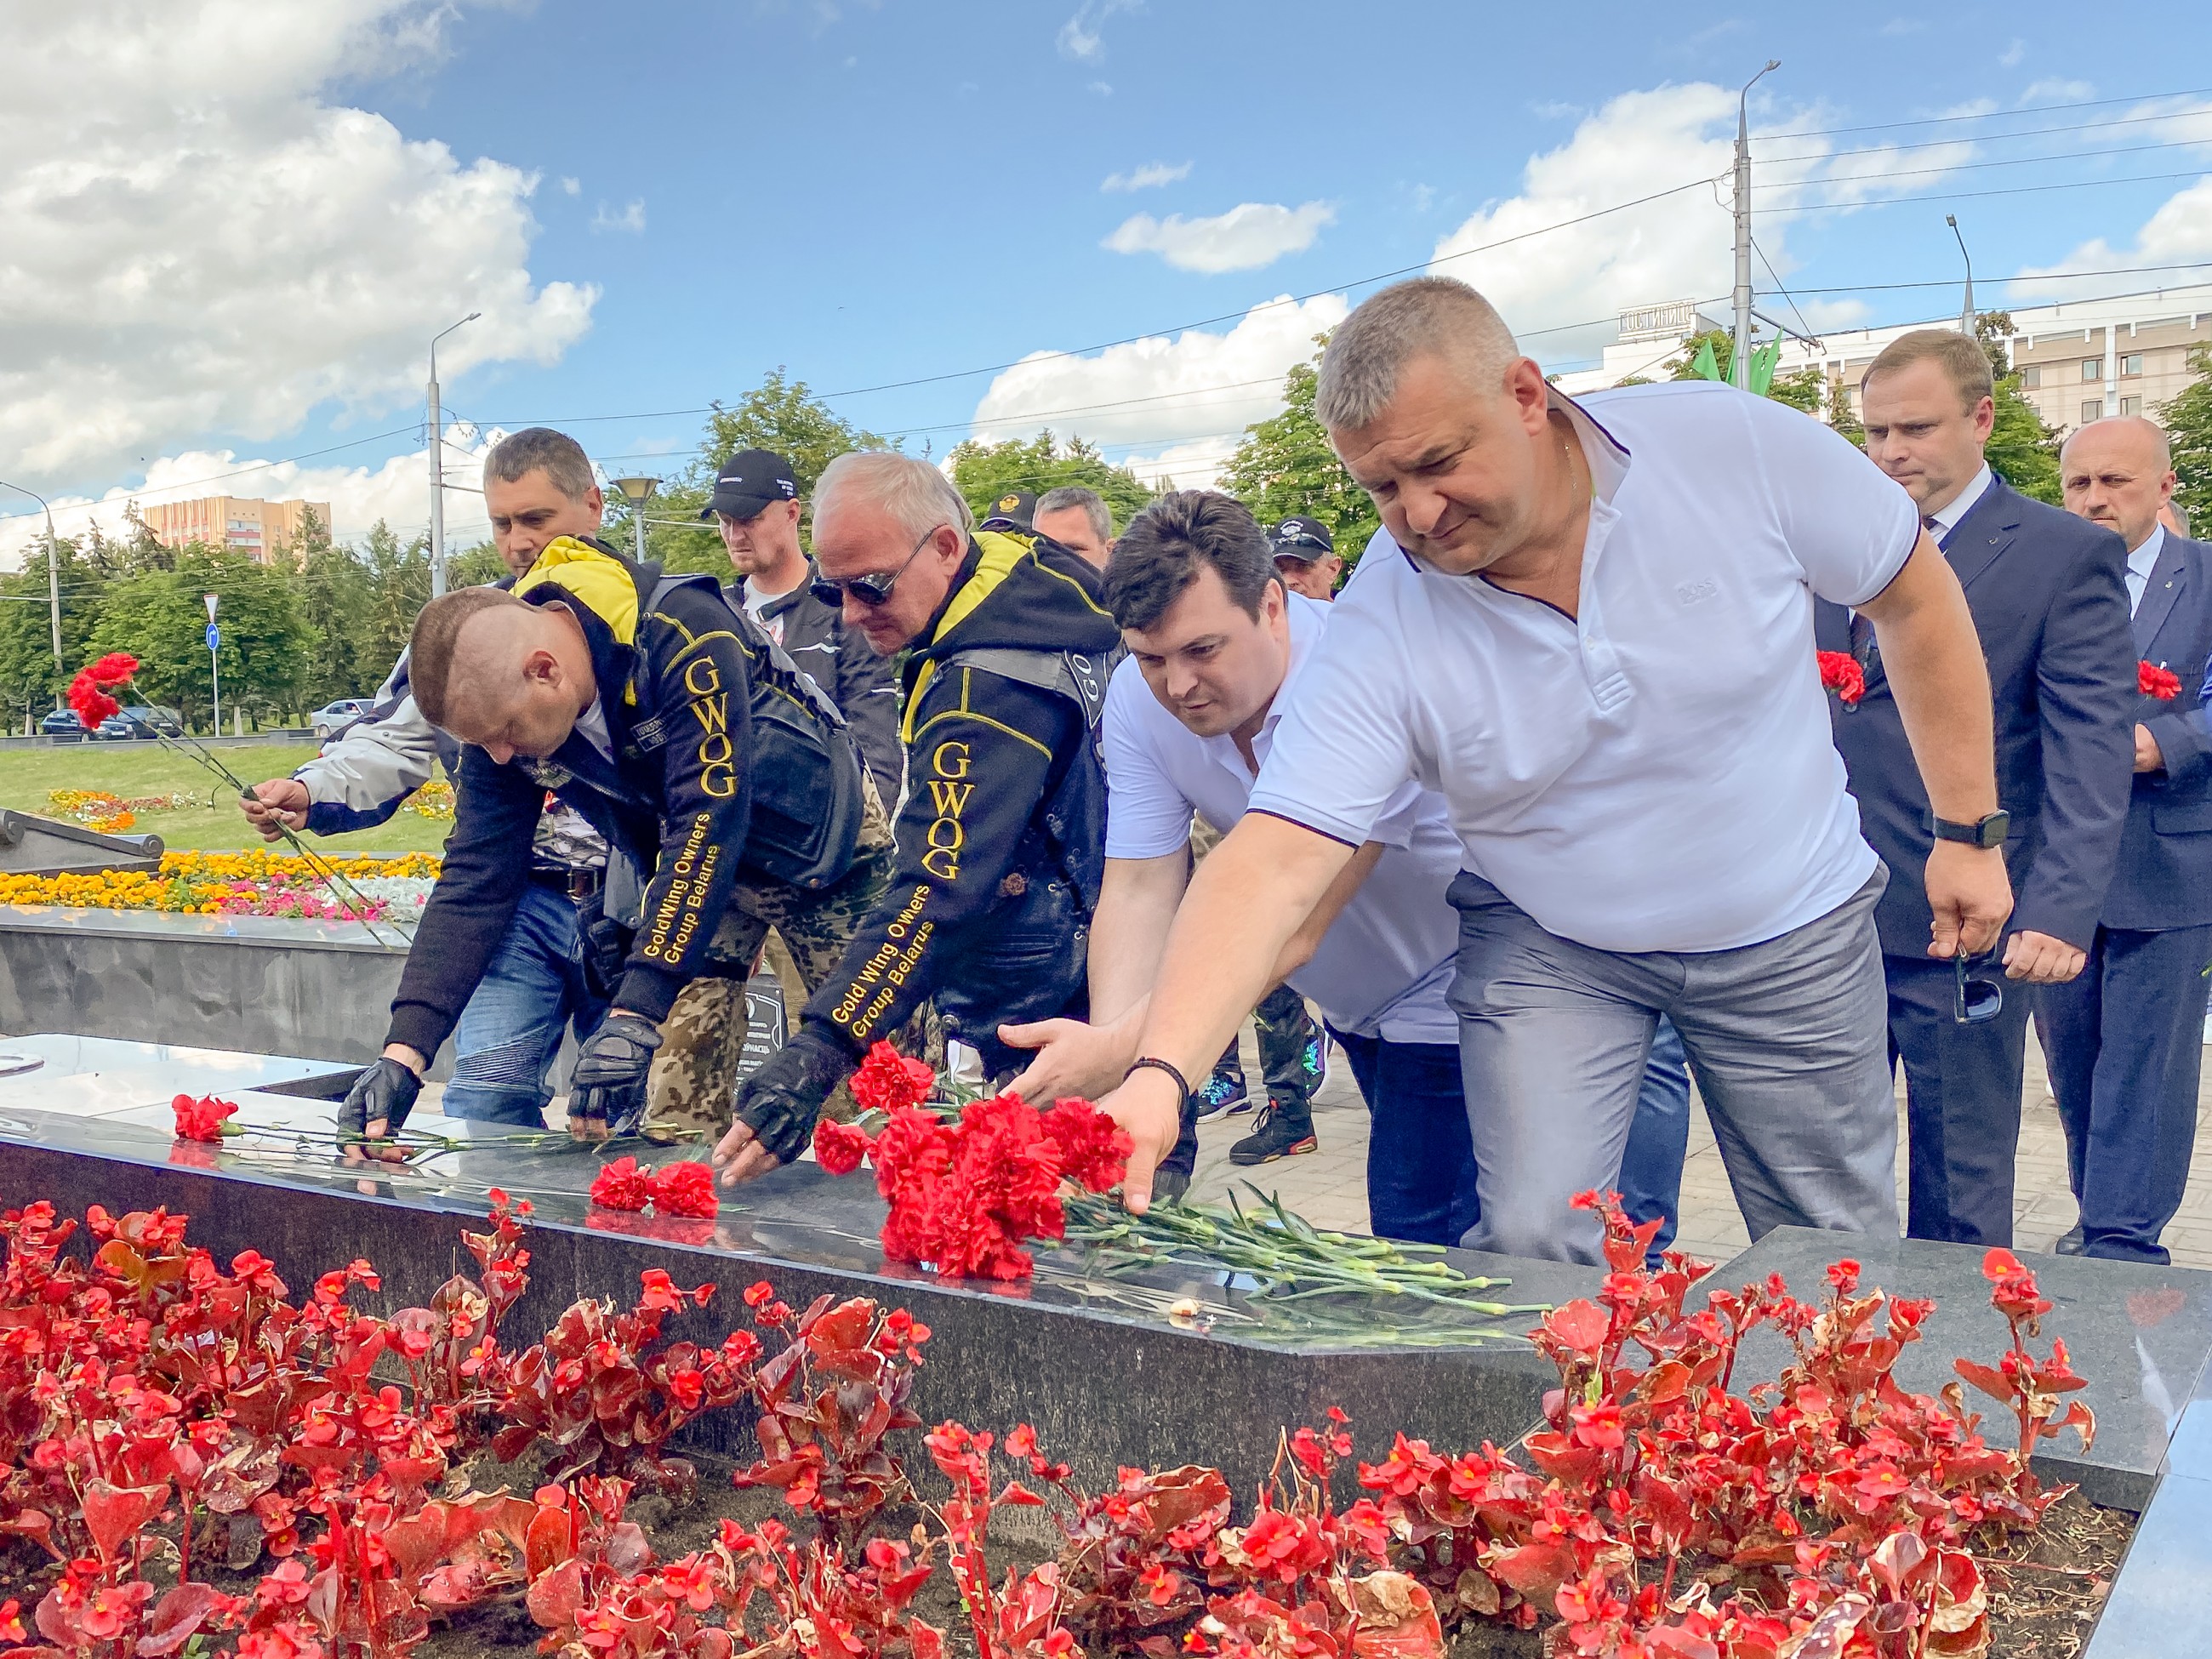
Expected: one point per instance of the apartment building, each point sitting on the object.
(2079, 360)
(248, 527)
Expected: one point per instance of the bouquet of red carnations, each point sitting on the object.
(965, 1192)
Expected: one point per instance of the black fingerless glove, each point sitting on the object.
(609, 1081)
(780, 1102)
(386, 1090)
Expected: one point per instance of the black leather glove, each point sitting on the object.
(386, 1090)
(780, 1102)
(603, 947)
(608, 1085)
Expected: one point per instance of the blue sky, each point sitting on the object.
(241, 258)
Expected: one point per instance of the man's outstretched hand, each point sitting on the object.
(1072, 1058)
(377, 1105)
(1145, 1105)
(607, 1091)
(280, 800)
(776, 1107)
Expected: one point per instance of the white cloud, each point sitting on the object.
(1102, 88)
(2013, 55)
(2056, 90)
(197, 241)
(2180, 230)
(1553, 285)
(1146, 178)
(572, 186)
(1425, 198)
(1162, 391)
(1082, 37)
(630, 221)
(396, 490)
(1249, 236)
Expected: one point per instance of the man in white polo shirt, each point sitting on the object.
(1216, 644)
(1595, 642)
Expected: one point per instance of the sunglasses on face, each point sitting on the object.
(870, 590)
(1975, 999)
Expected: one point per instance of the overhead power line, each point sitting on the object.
(1993, 137)
(1987, 115)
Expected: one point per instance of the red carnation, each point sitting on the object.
(91, 704)
(1094, 1150)
(839, 1147)
(622, 1185)
(202, 1118)
(685, 1189)
(886, 1081)
(2153, 681)
(1840, 673)
(112, 670)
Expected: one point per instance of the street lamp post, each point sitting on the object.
(53, 569)
(638, 492)
(1740, 359)
(1966, 310)
(438, 467)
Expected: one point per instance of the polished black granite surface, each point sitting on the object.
(2139, 1334)
(1160, 1366)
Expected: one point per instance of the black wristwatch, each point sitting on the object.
(1987, 832)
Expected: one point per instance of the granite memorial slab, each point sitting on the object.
(60, 1071)
(2139, 1334)
(33, 846)
(1115, 1365)
(2157, 1603)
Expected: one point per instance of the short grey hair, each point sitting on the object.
(2161, 445)
(1430, 316)
(1092, 503)
(541, 449)
(917, 497)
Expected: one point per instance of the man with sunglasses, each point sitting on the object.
(1002, 838)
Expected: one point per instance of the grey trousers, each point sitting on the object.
(1788, 1040)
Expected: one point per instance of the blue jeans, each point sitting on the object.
(1658, 1138)
(532, 990)
(1420, 1151)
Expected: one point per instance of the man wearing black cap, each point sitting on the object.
(755, 506)
(1305, 554)
(1011, 509)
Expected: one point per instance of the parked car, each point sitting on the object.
(63, 726)
(140, 719)
(333, 718)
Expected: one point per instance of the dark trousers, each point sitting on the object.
(1290, 1051)
(1962, 1100)
(1658, 1138)
(1420, 1151)
(2125, 1046)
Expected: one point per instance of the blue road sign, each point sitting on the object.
(215, 636)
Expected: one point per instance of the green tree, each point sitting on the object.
(2023, 449)
(1285, 466)
(780, 414)
(2188, 422)
(476, 567)
(982, 472)
(334, 600)
(30, 684)
(159, 618)
(1842, 416)
(399, 588)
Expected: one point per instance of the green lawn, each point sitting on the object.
(153, 768)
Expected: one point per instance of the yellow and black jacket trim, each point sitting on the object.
(1002, 830)
(689, 688)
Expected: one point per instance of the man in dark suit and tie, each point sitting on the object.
(2124, 1039)
(2051, 610)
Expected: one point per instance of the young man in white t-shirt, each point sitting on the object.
(1595, 642)
(1215, 644)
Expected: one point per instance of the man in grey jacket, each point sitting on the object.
(539, 486)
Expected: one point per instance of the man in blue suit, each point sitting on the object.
(2051, 608)
(2123, 1040)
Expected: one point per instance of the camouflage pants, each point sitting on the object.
(695, 1075)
